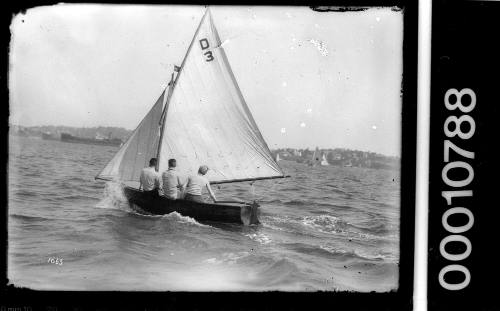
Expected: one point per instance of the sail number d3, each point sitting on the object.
(205, 45)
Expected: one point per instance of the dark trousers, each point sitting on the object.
(152, 193)
(195, 198)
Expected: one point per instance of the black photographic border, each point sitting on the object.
(400, 299)
(465, 54)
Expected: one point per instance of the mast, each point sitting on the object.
(162, 119)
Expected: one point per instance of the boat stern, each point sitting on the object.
(250, 214)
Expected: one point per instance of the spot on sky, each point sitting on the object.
(283, 130)
(316, 25)
(284, 84)
(377, 19)
(374, 127)
(320, 45)
(302, 124)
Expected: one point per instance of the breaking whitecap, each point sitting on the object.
(259, 237)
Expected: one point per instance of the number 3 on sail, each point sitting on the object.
(205, 45)
(224, 136)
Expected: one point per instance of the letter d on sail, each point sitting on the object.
(204, 44)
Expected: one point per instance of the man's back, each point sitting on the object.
(171, 182)
(149, 179)
(195, 184)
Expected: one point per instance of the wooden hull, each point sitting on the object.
(243, 213)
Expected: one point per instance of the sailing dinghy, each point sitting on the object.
(200, 118)
(315, 160)
(324, 161)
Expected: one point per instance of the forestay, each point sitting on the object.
(208, 121)
(140, 147)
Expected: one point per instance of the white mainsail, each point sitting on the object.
(205, 122)
(135, 153)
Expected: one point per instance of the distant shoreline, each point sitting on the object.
(123, 134)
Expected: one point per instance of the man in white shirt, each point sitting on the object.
(195, 185)
(172, 181)
(150, 180)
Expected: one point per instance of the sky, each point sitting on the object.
(311, 79)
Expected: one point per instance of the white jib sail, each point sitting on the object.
(140, 147)
(324, 161)
(208, 121)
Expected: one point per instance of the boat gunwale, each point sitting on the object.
(238, 205)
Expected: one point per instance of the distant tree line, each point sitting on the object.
(340, 157)
(55, 131)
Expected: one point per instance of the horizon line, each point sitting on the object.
(271, 148)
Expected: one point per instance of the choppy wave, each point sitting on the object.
(114, 198)
(278, 273)
(29, 218)
(259, 237)
(335, 252)
(325, 223)
(353, 254)
(184, 219)
(227, 258)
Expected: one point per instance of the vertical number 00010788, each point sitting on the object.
(457, 232)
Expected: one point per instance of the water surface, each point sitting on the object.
(325, 228)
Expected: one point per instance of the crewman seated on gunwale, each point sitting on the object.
(172, 181)
(149, 181)
(195, 185)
